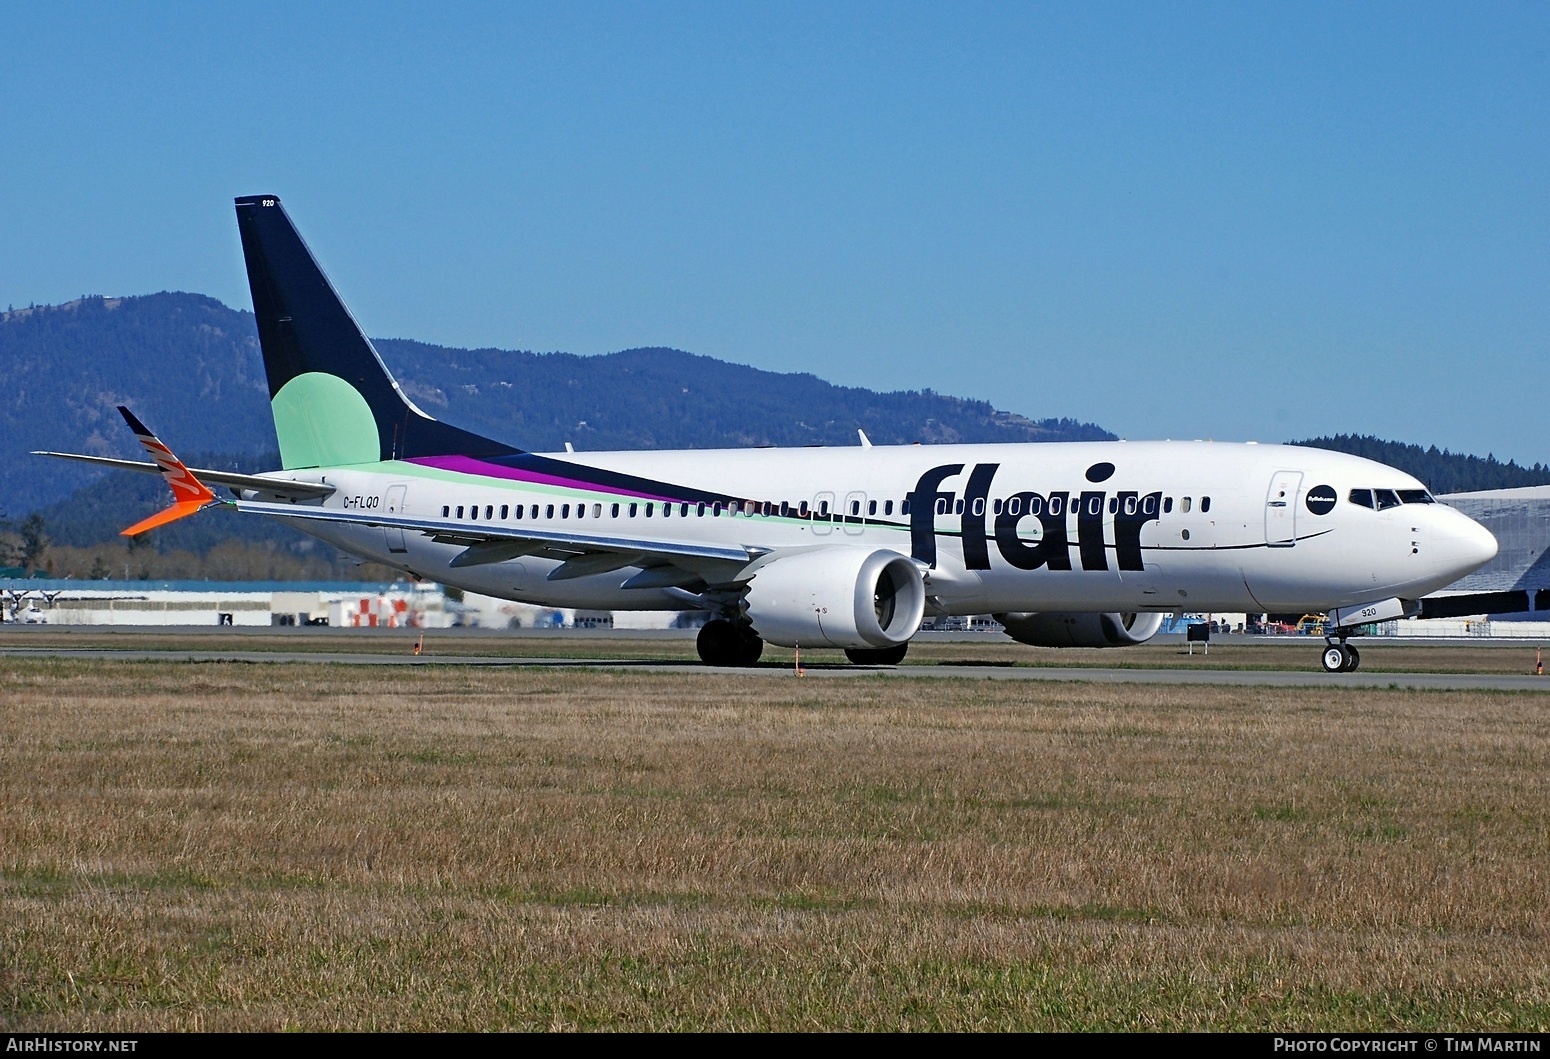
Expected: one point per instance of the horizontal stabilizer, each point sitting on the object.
(255, 483)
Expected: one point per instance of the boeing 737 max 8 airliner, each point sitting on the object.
(1079, 544)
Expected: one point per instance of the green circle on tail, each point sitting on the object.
(321, 420)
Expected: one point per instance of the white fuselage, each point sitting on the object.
(1108, 526)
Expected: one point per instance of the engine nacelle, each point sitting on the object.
(835, 596)
(1080, 629)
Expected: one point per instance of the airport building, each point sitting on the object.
(248, 603)
(1520, 520)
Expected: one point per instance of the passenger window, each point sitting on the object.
(1113, 505)
(958, 508)
(597, 510)
(1386, 498)
(699, 511)
(1130, 505)
(979, 505)
(613, 512)
(1149, 504)
(715, 509)
(683, 510)
(489, 512)
(667, 510)
(460, 511)
(1205, 504)
(871, 507)
(802, 509)
(445, 511)
(648, 509)
(632, 510)
(1184, 505)
(904, 507)
(565, 511)
(1167, 505)
(549, 511)
(823, 509)
(1014, 505)
(505, 508)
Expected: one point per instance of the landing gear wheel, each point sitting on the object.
(1353, 658)
(749, 646)
(877, 656)
(1336, 658)
(717, 643)
(723, 643)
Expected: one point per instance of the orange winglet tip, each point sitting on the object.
(186, 489)
(188, 493)
(182, 509)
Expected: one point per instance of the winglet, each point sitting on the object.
(189, 494)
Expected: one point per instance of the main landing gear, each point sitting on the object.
(725, 643)
(1340, 657)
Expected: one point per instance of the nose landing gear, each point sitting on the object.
(1340, 657)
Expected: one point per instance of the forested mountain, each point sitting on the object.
(190, 368)
(1443, 472)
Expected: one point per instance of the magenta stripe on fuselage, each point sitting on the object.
(469, 465)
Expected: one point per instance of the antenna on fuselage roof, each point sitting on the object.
(866, 442)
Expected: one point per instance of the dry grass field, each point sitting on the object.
(227, 846)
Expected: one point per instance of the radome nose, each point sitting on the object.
(1480, 543)
(1467, 543)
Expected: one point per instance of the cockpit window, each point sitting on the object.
(1383, 499)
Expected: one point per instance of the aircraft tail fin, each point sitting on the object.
(189, 494)
(333, 400)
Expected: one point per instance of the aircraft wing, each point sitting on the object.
(283, 488)
(666, 563)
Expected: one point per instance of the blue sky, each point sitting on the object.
(1242, 221)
